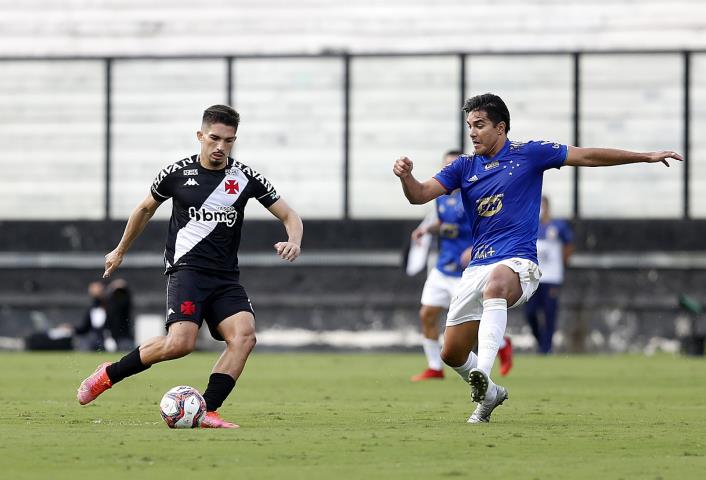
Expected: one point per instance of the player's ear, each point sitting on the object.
(199, 135)
(501, 127)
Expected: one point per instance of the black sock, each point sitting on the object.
(130, 364)
(219, 387)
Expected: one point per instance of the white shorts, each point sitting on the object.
(467, 305)
(439, 289)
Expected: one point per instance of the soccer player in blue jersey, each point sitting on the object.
(209, 192)
(501, 188)
(455, 247)
(554, 248)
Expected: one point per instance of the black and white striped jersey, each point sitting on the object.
(207, 212)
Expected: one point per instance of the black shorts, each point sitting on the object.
(195, 296)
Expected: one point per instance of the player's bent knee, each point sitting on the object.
(246, 340)
(249, 340)
(180, 347)
(452, 359)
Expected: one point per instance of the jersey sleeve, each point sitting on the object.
(450, 177)
(262, 190)
(565, 233)
(161, 187)
(546, 155)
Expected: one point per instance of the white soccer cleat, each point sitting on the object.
(479, 384)
(482, 412)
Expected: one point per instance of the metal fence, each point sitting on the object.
(677, 93)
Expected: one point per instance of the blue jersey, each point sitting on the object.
(454, 233)
(502, 196)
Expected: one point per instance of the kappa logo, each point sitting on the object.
(170, 311)
(474, 178)
(191, 183)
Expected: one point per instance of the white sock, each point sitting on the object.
(503, 344)
(432, 350)
(490, 333)
(466, 368)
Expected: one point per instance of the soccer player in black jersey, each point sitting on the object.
(209, 192)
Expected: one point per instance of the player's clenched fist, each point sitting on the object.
(403, 167)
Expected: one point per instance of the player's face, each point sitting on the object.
(487, 139)
(216, 143)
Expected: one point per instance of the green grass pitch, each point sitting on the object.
(357, 416)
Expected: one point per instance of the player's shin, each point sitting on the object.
(129, 365)
(219, 387)
(490, 334)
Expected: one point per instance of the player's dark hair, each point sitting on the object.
(492, 105)
(455, 152)
(221, 114)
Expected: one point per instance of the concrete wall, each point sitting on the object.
(107, 27)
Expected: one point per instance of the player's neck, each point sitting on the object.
(212, 166)
(499, 144)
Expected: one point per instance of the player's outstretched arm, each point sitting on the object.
(290, 249)
(606, 157)
(416, 192)
(135, 224)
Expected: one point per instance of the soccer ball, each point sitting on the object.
(182, 407)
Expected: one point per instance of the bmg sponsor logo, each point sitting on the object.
(227, 215)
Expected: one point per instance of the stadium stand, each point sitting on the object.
(627, 274)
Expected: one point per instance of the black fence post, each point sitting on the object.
(346, 134)
(462, 96)
(687, 140)
(577, 128)
(108, 132)
(229, 81)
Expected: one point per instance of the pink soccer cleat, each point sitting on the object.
(214, 420)
(94, 385)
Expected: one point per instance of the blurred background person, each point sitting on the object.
(454, 254)
(554, 248)
(118, 307)
(91, 332)
(107, 323)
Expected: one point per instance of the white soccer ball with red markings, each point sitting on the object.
(182, 407)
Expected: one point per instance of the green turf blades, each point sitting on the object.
(353, 416)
